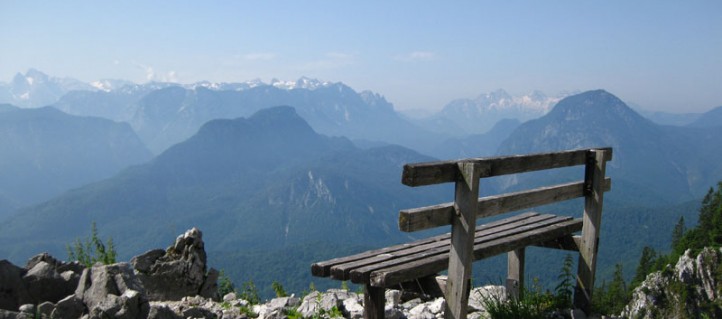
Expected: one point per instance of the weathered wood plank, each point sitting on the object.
(592, 218)
(419, 174)
(362, 274)
(344, 264)
(416, 219)
(437, 262)
(343, 271)
(463, 229)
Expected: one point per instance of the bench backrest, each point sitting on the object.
(421, 174)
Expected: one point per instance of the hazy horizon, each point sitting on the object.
(659, 56)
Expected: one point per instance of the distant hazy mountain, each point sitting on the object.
(251, 184)
(476, 145)
(710, 118)
(35, 89)
(112, 99)
(45, 152)
(478, 115)
(666, 118)
(656, 161)
(167, 116)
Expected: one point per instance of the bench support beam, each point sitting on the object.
(589, 244)
(515, 273)
(374, 302)
(462, 240)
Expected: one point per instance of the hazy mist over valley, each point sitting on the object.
(283, 136)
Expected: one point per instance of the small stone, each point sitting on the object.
(69, 307)
(393, 313)
(437, 306)
(411, 303)
(45, 309)
(230, 297)
(353, 309)
(393, 297)
(27, 308)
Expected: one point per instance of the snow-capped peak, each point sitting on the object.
(302, 83)
(108, 85)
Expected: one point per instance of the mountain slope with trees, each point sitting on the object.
(45, 152)
(257, 184)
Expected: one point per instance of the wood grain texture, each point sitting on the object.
(433, 263)
(429, 173)
(422, 218)
(463, 228)
(592, 218)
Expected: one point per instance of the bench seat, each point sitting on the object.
(394, 265)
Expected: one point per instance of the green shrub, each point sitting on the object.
(278, 289)
(225, 285)
(92, 250)
(534, 303)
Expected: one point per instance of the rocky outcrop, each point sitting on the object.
(177, 272)
(112, 291)
(48, 288)
(688, 289)
(44, 278)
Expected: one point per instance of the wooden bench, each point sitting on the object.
(390, 266)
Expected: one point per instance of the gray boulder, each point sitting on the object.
(159, 311)
(7, 314)
(13, 292)
(48, 279)
(177, 272)
(45, 309)
(69, 307)
(112, 291)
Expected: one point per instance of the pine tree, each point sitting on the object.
(678, 232)
(646, 264)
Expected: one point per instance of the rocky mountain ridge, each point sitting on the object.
(692, 288)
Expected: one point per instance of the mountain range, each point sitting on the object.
(163, 114)
(655, 162)
(266, 182)
(262, 183)
(45, 152)
(478, 115)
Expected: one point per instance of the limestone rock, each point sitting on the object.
(112, 290)
(480, 294)
(393, 298)
(143, 262)
(45, 309)
(13, 292)
(69, 307)
(421, 311)
(353, 309)
(179, 272)
(159, 311)
(687, 289)
(310, 305)
(7, 314)
(28, 308)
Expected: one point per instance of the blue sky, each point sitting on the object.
(660, 55)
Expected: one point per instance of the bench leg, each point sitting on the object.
(589, 245)
(374, 300)
(515, 276)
